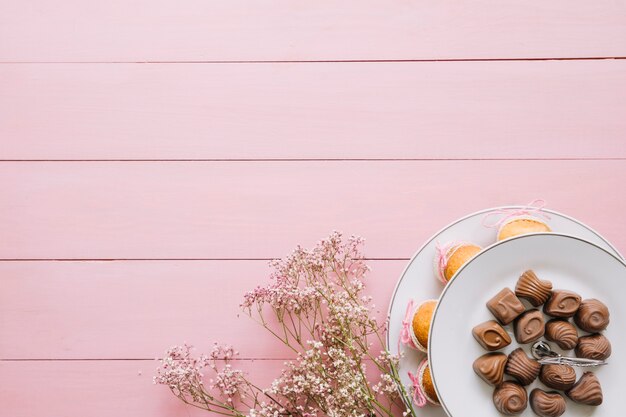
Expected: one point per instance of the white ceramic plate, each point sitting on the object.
(570, 263)
(418, 281)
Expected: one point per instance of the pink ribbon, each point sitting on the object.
(534, 208)
(443, 258)
(419, 399)
(442, 254)
(405, 335)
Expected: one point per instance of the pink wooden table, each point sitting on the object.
(155, 154)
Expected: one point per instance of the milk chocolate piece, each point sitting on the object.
(491, 335)
(547, 404)
(561, 377)
(510, 398)
(529, 326)
(587, 390)
(563, 333)
(533, 289)
(562, 304)
(521, 367)
(505, 306)
(595, 346)
(490, 367)
(592, 316)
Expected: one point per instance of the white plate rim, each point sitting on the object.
(467, 216)
(619, 258)
(459, 220)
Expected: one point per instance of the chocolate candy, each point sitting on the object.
(533, 289)
(510, 398)
(594, 346)
(491, 335)
(587, 390)
(490, 367)
(563, 333)
(561, 377)
(562, 304)
(505, 306)
(521, 367)
(547, 404)
(529, 326)
(592, 316)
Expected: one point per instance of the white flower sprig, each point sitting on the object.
(314, 304)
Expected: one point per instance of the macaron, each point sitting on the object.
(426, 384)
(451, 257)
(521, 225)
(420, 324)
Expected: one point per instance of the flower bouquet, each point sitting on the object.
(315, 305)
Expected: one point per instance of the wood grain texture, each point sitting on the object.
(120, 310)
(481, 110)
(214, 30)
(98, 389)
(104, 84)
(117, 210)
(104, 388)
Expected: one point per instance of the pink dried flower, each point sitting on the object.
(184, 374)
(314, 303)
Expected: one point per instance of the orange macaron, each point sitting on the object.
(420, 324)
(521, 225)
(451, 257)
(426, 383)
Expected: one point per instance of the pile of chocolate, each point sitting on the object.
(590, 316)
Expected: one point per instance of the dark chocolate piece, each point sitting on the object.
(505, 306)
(533, 289)
(592, 316)
(529, 326)
(491, 335)
(562, 304)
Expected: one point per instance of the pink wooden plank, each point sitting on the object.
(116, 210)
(99, 310)
(547, 109)
(98, 389)
(102, 388)
(152, 30)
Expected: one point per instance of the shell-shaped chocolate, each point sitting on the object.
(563, 333)
(510, 398)
(533, 289)
(592, 316)
(491, 335)
(561, 377)
(490, 367)
(547, 404)
(521, 367)
(562, 304)
(587, 390)
(529, 327)
(505, 306)
(595, 346)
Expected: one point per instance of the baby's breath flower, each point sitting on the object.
(315, 298)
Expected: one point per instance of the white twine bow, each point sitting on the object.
(534, 208)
